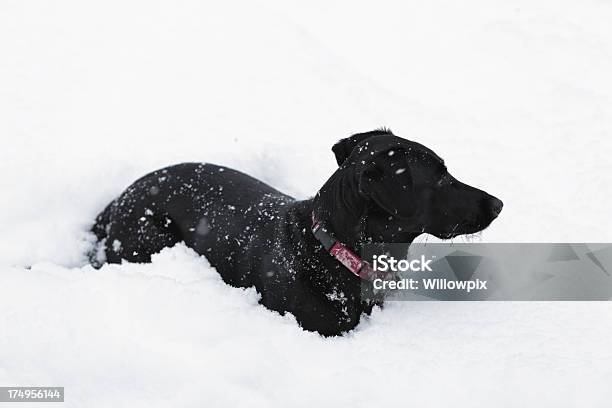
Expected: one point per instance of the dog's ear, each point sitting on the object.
(387, 181)
(344, 147)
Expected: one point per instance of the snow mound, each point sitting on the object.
(171, 333)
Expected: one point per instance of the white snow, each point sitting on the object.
(516, 97)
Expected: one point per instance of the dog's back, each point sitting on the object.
(211, 208)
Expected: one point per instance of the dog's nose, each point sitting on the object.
(495, 206)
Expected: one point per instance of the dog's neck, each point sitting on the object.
(347, 213)
(342, 208)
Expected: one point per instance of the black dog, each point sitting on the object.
(296, 253)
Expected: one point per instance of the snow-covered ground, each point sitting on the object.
(517, 97)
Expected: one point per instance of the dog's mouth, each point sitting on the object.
(466, 227)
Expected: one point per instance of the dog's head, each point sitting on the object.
(409, 190)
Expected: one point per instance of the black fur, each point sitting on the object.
(386, 189)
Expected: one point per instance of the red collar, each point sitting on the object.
(344, 255)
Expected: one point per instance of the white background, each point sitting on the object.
(515, 96)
